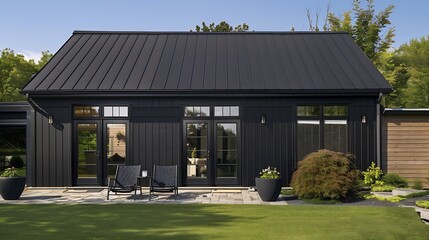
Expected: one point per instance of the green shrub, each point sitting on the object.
(382, 188)
(10, 172)
(16, 162)
(372, 175)
(418, 185)
(423, 204)
(394, 179)
(417, 194)
(326, 175)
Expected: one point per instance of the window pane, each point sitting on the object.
(225, 111)
(218, 111)
(308, 136)
(115, 111)
(235, 111)
(123, 111)
(205, 111)
(308, 111)
(197, 111)
(339, 110)
(335, 135)
(108, 112)
(94, 111)
(86, 111)
(78, 111)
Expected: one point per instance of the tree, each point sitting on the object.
(369, 30)
(15, 72)
(415, 57)
(221, 27)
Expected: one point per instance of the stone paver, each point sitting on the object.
(98, 196)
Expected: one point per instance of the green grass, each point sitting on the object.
(134, 221)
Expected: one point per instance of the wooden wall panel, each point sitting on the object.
(405, 146)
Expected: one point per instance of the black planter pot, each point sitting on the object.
(11, 188)
(268, 189)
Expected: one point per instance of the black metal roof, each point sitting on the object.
(189, 62)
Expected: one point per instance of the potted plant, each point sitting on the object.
(11, 184)
(269, 184)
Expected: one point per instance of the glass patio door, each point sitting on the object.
(197, 152)
(100, 146)
(87, 153)
(212, 152)
(226, 153)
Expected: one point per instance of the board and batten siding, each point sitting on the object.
(405, 146)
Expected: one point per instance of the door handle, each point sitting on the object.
(97, 154)
(208, 154)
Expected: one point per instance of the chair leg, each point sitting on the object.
(135, 193)
(108, 191)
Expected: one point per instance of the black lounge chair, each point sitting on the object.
(125, 180)
(164, 179)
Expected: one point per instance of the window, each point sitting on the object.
(115, 111)
(312, 135)
(226, 111)
(308, 111)
(86, 111)
(308, 137)
(335, 135)
(197, 111)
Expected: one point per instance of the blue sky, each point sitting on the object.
(29, 27)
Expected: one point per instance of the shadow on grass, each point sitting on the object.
(112, 221)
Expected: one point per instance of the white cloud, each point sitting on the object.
(28, 54)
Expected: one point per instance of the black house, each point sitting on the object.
(222, 106)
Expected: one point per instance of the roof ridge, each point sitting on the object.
(209, 33)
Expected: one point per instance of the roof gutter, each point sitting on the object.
(44, 113)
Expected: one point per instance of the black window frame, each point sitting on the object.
(87, 105)
(115, 105)
(322, 118)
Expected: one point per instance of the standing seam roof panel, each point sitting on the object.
(351, 60)
(320, 62)
(41, 75)
(173, 77)
(255, 66)
(333, 64)
(96, 63)
(59, 68)
(103, 62)
(75, 63)
(244, 65)
(118, 63)
(164, 67)
(278, 71)
(308, 63)
(197, 79)
(84, 65)
(107, 63)
(291, 76)
(221, 74)
(141, 64)
(266, 63)
(210, 64)
(187, 69)
(233, 79)
(129, 64)
(153, 64)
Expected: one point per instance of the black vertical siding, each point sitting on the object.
(156, 137)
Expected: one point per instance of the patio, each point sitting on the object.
(98, 196)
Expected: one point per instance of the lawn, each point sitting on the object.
(120, 221)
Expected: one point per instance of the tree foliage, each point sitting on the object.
(407, 70)
(221, 27)
(370, 30)
(15, 72)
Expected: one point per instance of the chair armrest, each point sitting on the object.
(111, 182)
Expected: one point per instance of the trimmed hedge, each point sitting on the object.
(326, 175)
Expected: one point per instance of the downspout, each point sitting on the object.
(378, 130)
(43, 112)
